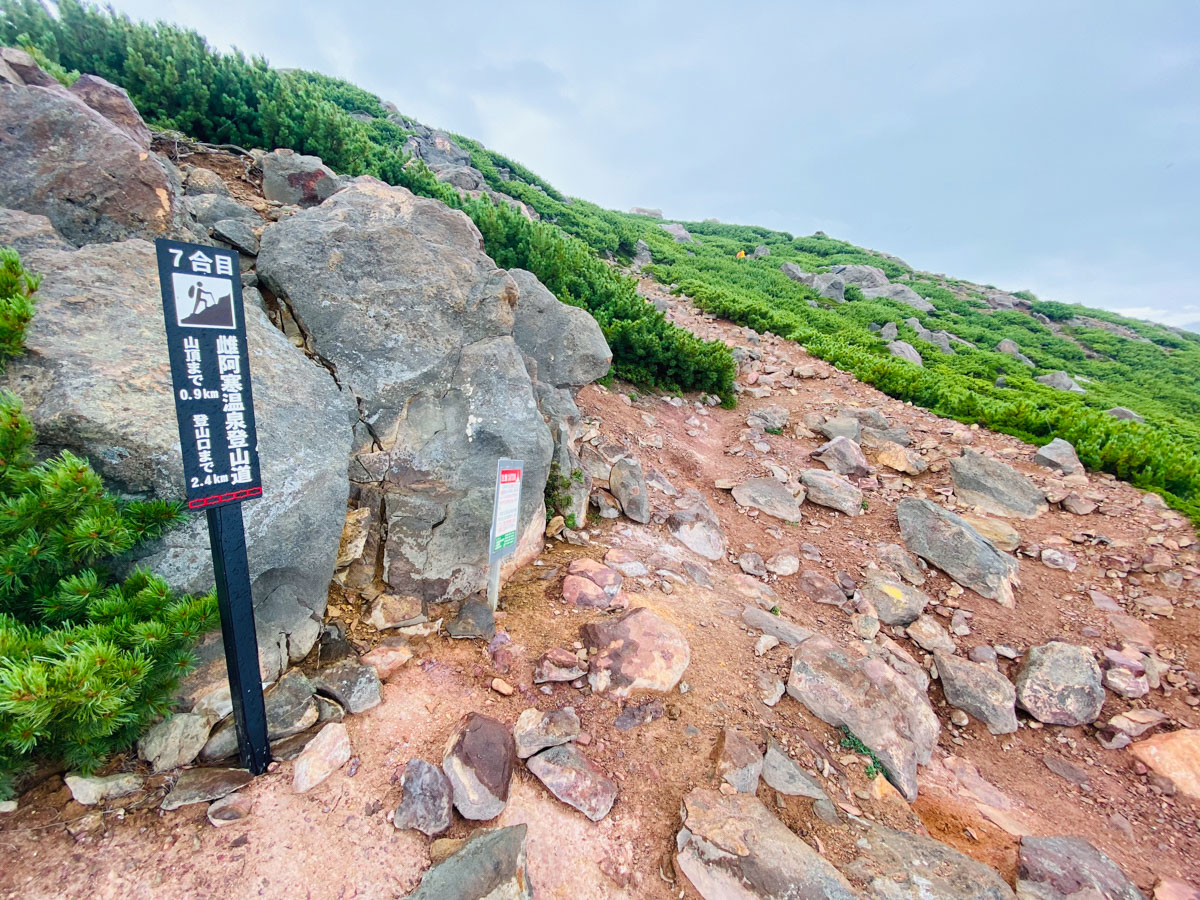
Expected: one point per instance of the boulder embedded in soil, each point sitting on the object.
(352, 684)
(204, 785)
(636, 651)
(1060, 684)
(536, 730)
(697, 528)
(842, 455)
(945, 540)
(783, 774)
(574, 779)
(978, 690)
(490, 865)
(898, 865)
(905, 351)
(995, 488)
(478, 761)
(895, 602)
(388, 656)
(1060, 456)
(1174, 757)
(90, 790)
(175, 742)
(627, 483)
(426, 802)
(847, 688)
(1069, 868)
(733, 848)
(1060, 381)
(775, 626)
(738, 760)
(769, 496)
(832, 490)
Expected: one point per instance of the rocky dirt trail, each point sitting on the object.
(670, 631)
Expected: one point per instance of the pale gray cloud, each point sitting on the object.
(1047, 145)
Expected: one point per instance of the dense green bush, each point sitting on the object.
(85, 661)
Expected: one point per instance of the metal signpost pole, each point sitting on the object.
(210, 381)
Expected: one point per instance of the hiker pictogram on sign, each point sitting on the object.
(202, 302)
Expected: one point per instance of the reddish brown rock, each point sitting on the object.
(321, 757)
(478, 761)
(574, 779)
(739, 762)
(601, 575)
(557, 664)
(1175, 757)
(389, 656)
(114, 104)
(580, 591)
(637, 651)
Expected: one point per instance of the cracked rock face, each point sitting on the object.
(395, 295)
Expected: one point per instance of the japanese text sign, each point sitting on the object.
(210, 372)
(506, 510)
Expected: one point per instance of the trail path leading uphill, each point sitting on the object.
(1134, 581)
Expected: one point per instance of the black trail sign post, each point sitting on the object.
(210, 379)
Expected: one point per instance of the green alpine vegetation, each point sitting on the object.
(181, 84)
(86, 660)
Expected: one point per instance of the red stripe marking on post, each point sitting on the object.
(244, 494)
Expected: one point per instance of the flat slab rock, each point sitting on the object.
(536, 730)
(995, 488)
(882, 708)
(490, 865)
(769, 496)
(478, 761)
(575, 780)
(733, 848)
(1063, 868)
(637, 651)
(945, 540)
(321, 757)
(204, 786)
(354, 685)
(698, 529)
(897, 865)
(1174, 756)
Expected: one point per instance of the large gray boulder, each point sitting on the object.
(995, 488)
(25, 232)
(396, 297)
(945, 540)
(850, 689)
(769, 496)
(898, 865)
(1060, 381)
(95, 380)
(1060, 456)
(826, 488)
(66, 161)
(901, 293)
(906, 351)
(114, 104)
(865, 277)
(1009, 347)
(733, 848)
(566, 341)
(435, 148)
(980, 690)
(678, 232)
(293, 179)
(829, 285)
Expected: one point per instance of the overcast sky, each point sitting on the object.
(1053, 146)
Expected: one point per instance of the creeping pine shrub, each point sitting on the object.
(86, 661)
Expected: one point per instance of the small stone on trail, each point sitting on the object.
(352, 684)
(769, 496)
(478, 762)
(502, 687)
(738, 761)
(980, 690)
(557, 664)
(90, 790)
(1174, 756)
(389, 656)
(783, 774)
(764, 643)
(204, 785)
(843, 456)
(324, 755)
(1059, 684)
(784, 564)
(426, 804)
(475, 620)
(536, 730)
(488, 864)
(575, 780)
(230, 809)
